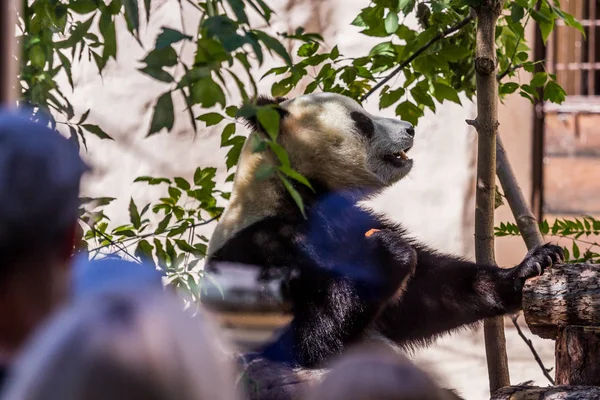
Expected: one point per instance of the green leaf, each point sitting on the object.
(168, 37)
(422, 97)
(306, 50)
(162, 225)
(391, 22)
(264, 171)
(275, 45)
(185, 246)
(539, 79)
(211, 119)
(517, 12)
(96, 130)
(389, 98)
(157, 73)
(545, 19)
(280, 152)
(144, 250)
(182, 183)
(269, 120)
(238, 9)
(569, 20)
(163, 116)
(576, 252)
(294, 193)
(163, 57)
(151, 181)
(443, 91)
(67, 68)
(233, 155)
(554, 92)
(83, 6)
(132, 15)
(228, 131)
(147, 4)
(134, 215)
(84, 117)
(207, 93)
(296, 175)
(453, 53)
(107, 29)
(409, 112)
(37, 56)
(507, 88)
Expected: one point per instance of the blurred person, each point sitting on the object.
(122, 343)
(40, 174)
(377, 371)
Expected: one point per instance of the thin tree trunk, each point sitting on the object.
(8, 52)
(487, 126)
(526, 221)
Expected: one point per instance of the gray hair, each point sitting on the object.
(40, 174)
(120, 345)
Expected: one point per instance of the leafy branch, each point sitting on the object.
(564, 229)
(417, 53)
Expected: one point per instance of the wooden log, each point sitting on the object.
(578, 356)
(563, 295)
(525, 392)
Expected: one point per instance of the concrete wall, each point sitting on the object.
(435, 201)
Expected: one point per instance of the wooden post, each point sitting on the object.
(578, 356)
(563, 304)
(548, 393)
(8, 52)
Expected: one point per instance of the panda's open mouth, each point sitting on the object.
(398, 158)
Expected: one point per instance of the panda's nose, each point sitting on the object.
(410, 131)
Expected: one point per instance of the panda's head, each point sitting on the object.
(332, 139)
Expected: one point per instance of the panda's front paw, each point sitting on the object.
(538, 259)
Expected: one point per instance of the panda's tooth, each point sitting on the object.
(403, 155)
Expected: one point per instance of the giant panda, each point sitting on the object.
(347, 270)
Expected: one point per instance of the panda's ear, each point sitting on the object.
(252, 121)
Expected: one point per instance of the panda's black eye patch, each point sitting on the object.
(363, 123)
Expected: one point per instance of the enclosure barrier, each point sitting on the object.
(563, 305)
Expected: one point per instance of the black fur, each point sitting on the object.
(364, 125)
(342, 283)
(262, 101)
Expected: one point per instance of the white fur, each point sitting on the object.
(322, 143)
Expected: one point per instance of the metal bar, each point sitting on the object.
(592, 48)
(574, 66)
(577, 47)
(537, 146)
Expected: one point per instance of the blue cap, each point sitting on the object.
(40, 174)
(93, 276)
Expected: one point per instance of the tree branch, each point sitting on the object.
(533, 351)
(417, 53)
(508, 71)
(208, 221)
(526, 221)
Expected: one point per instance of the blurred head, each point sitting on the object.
(40, 174)
(377, 371)
(119, 345)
